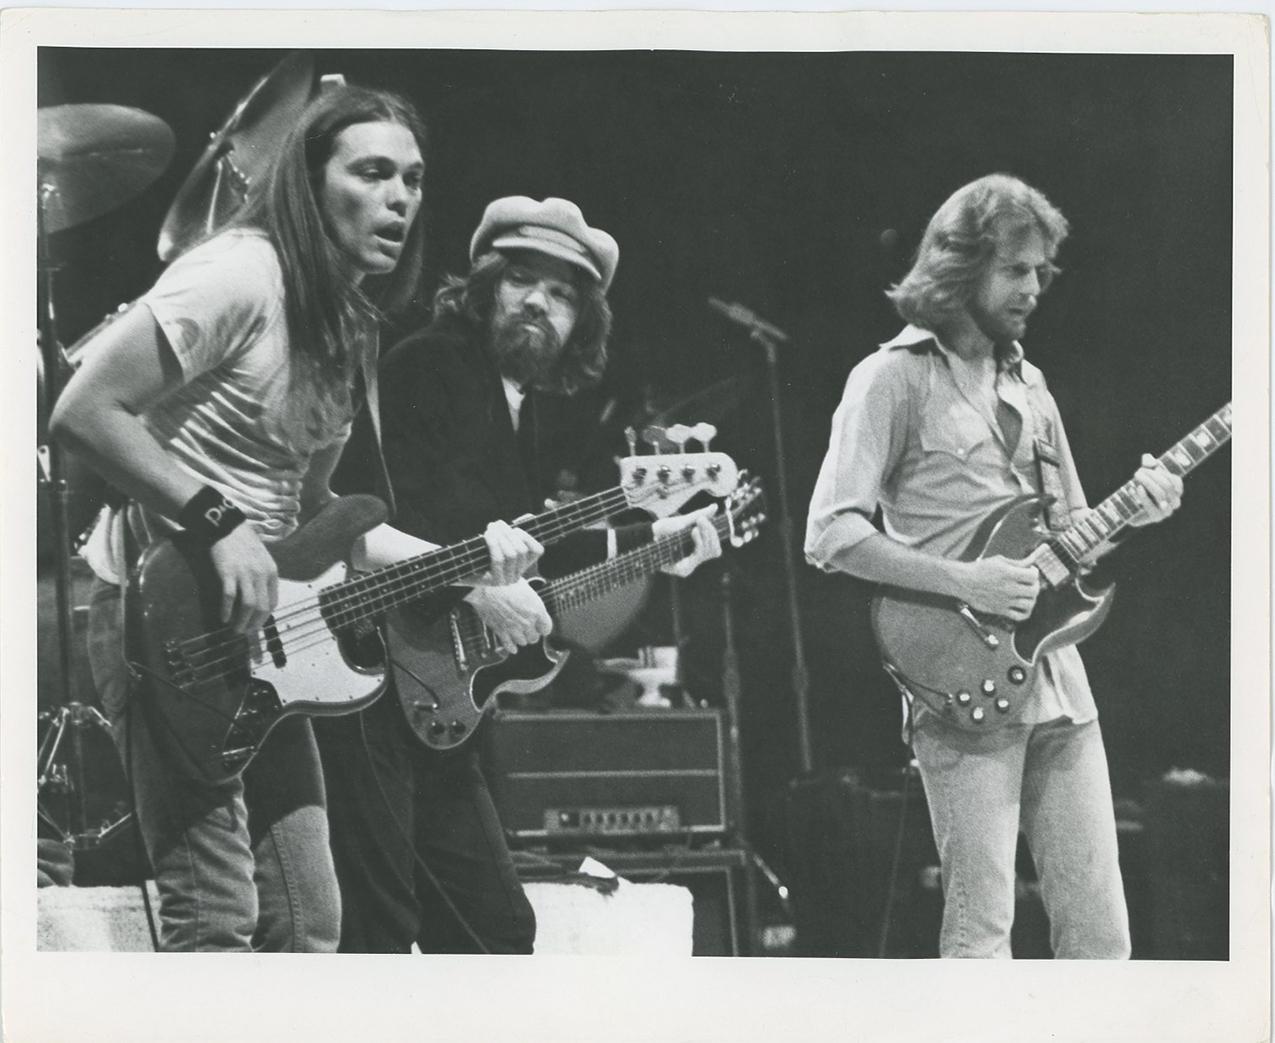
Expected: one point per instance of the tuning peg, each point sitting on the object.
(679, 435)
(653, 436)
(704, 434)
(630, 436)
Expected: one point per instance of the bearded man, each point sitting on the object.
(943, 424)
(420, 854)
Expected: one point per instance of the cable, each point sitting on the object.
(411, 845)
(129, 723)
(894, 866)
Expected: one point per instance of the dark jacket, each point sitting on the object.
(455, 462)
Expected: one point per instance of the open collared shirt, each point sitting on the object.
(908, 438)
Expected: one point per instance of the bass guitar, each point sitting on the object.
(448, 674)
(977, 670)
(213, 695)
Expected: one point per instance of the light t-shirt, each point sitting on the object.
(235, 423)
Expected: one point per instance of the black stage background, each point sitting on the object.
(799, 184)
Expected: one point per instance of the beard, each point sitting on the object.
(526, 350)
(1001, 328)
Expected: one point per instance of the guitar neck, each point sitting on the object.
(1118, 509)
(594, 582)
(397, 584)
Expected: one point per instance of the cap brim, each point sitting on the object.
(547, 246)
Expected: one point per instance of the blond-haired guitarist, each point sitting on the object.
(942, 425)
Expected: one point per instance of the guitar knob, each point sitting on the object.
(437, 728)
(963, 697)
(1002, 705)
(1017, 674)
(977, 714)
(989, 686)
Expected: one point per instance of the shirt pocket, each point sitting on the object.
(953, 428)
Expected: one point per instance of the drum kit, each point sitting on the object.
(92, 159)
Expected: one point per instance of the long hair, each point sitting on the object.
(583, 358)
(329, 315)
(960, 241)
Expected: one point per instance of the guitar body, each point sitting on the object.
(447, 674)
(978, 671)
(212, 696)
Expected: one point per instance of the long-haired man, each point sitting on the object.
(220, 404)
(944, 423)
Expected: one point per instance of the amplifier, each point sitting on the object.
(568, 775)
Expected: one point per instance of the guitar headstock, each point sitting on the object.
(660, 483)
(745, 511)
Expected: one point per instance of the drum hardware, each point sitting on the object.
(90, 160)
(237, 155)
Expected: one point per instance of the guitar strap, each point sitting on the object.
(1047, 470)
(368, 389)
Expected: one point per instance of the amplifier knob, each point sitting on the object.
(977, 714)
(963, 697)
(1017, 674)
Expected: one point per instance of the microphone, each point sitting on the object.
(747, 318)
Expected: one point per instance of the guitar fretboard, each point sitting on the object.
(584, 586)
(376, 592)
(1116, 511)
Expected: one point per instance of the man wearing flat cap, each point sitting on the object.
(420, 854)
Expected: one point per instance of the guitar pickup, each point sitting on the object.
(274, 645)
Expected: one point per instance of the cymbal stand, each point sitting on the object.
(53, 773)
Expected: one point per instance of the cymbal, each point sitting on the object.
(92, 158)
(238, 154)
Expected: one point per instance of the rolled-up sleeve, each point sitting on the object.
(869, 430)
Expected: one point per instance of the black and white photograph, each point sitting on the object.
(742, 506)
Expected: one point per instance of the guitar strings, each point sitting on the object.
(1082, 537)
(586, 584)
(321, 633)
(401, 576)
(397, 582)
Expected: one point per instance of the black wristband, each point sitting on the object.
(208, 516)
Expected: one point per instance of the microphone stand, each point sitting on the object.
(769, 337)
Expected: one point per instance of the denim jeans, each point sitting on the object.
(241, 866)
(1049, 781)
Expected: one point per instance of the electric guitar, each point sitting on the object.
(447, 674)
(213, 695)
(977, 670)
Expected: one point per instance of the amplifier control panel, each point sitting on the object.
(612, 821)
